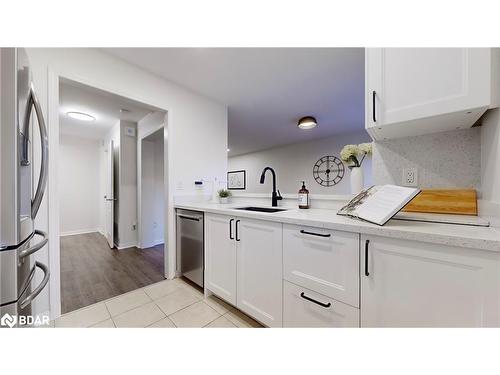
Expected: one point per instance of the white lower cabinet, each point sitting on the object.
(244, 265)
(415, 284)
(323, 260)
(304, 308)
(259, 270)
(220, 256)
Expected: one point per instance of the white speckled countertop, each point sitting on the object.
(483, 238)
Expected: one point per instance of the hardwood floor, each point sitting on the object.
(92, 272)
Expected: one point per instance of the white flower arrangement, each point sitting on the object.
(351, 153)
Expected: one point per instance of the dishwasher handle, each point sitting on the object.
(194, 218)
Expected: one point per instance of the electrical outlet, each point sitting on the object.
(410, 177)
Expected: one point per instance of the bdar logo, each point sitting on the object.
(8, 320)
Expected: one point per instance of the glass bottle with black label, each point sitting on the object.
(303, 196)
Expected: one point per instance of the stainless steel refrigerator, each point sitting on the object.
(21, 186)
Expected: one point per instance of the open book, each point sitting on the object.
(378, 204)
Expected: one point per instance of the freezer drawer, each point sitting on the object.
(190, 247)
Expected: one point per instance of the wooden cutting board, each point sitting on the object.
(440, 201)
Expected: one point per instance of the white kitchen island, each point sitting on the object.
(313, 268)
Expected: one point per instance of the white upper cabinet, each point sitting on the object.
(413, 91)
(414, 284)
(220, 256)
(259, 270)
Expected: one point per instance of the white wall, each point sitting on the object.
(197, 129)
(79, 185)
(150, 124)
(152, 197)
(294, 163)
(444, 160)
(127, 187)
(490, 158)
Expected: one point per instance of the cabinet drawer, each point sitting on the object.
(300, 311)
(325, 261)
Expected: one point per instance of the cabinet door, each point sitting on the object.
(220, 255)
(304, 308)
(322, 260)
(413, 284)
(259, 270)
(405, 85)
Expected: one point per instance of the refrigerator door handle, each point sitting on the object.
(42, 180)
(33, 249)
(46, 275)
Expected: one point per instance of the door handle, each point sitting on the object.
(231, 229)
(325, 305)
(374, 94)
(109, 199)
(367, 243)
(46, 275)
(237, 226)
(42, 179)
(33, 249)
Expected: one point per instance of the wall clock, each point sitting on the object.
(328, 171)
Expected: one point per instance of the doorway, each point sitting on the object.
(101, 252)
(151, 198)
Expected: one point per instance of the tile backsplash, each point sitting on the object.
(444, 160)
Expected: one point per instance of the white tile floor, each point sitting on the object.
(167, 304)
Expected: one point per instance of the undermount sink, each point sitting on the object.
(261, 209)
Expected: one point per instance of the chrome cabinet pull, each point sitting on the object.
(46, 275)
(33, 249)
(374, 94)
(325, 305)
(42, 179)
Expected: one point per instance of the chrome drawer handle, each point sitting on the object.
(315, 234)
(326, 305)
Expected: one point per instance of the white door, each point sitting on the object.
(417, 85)
(220, 256)
(413, 284)
(109, 195)
(259, 270)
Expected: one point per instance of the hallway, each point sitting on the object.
(92, 272)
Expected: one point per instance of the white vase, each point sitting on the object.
(223, 200)
(357, 182)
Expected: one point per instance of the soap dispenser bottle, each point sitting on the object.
(303, 196)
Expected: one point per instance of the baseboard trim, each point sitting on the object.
(82, 231)
(151, 244)
(125, 246)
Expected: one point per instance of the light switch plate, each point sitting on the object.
(410, 177)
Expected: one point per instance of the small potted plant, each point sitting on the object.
(224, 195)
(354, 155)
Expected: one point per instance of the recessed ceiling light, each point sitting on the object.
(81, 116)
(307, 122)
(228, 150)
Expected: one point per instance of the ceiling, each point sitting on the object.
(104, 106)
(267, 89)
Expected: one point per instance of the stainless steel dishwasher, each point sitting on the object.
(190, 247)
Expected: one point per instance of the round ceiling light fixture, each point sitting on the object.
(80, 116)
(307, 122)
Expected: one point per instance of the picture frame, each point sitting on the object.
(237, 180)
